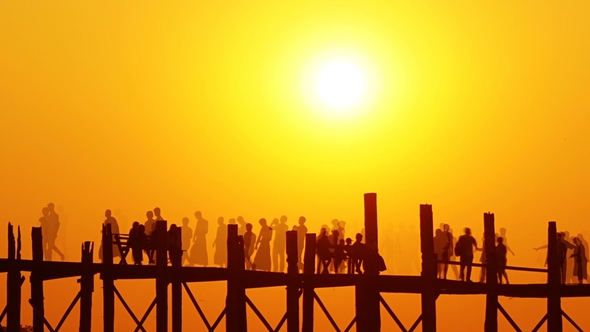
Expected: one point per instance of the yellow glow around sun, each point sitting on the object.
(340, 84)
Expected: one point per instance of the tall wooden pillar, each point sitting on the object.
(176, 259)
(428, 268)
(161, 276)
(368, 307)
(86, 287)
(108, 285)
(554, 313)
(235, 317)
(491, 322)
(293, 283)
(308, 289)
(37, 280)
(13, 282)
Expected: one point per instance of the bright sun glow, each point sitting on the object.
(340, 85)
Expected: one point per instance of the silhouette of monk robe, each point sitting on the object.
(187, 235)
(220, 244)
(50, 232)
(262, 258)
(580, 261)
(301, 231)
(114, 230)
(278, 251)
(199, 250)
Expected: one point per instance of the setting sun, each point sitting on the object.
(340, 85)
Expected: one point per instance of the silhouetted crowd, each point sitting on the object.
(578, 245)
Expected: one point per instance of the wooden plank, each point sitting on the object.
(293, 283)
(37, 300)
(428, 268)
(308, 291)
(161, 276)
(491, 317)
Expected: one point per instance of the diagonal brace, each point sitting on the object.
(416, 323)
(218, 320)
(508, 318)
(392, 314)
(194, 301)
(349, 327)
(139, 324)
(259, 314)
(571, 321)
(145, 316)
(538, 326)
(284, 319)
(317, 298)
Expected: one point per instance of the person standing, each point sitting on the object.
(52, 227)
(280, 229)
(464, 249)
(262, 258)
(199, 250)
(110, 220)
(301, 231)
(187, 235)
(249, 240)
(580, 261)
(501, 253)
(220, 244)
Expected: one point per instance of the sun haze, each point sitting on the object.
(255, 108)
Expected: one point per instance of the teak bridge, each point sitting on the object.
(368, 300)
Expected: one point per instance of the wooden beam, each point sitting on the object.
(13, 284)
(235, 319)
(554, 321)
(86, 287)
(293, 285)
(108, 286)
(308, 291)
(491, 319)
(37, 281)
(161, 276)
(176, 260)
(428, 268)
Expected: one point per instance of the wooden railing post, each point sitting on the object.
(161, 276)
(176, 259)
(293, 283)
(235, 304)
(308, 289)
(428, 268)
(368, 306)
(86, 287)
(37, 280)
(491, 322)
(554, 313)
(13, 282)
(108, 285)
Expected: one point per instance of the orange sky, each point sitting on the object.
(189, 105)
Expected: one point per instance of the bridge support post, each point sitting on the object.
(554, 313)
(293, 283)
(86, 287)
(308, 289)
(428, 268)
(37, 280)
(161, 276)
(176, 260)
(236, 292)
(108, 286)
(13, 282)
(368, 306)
(491, 321)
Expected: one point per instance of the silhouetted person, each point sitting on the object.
(339, 255)
(280, 229)
(62, 239)
(464, 249)
(220, 244)
(505, 239)
(49, 228)
(373, 263)
(333, 238)
(447, 249)
(249, 242)
(301, 231)
(150, 222)
(323, 252)
(349, 251)
(174, 243)
(134, 244)
(580, 261)
(562, 247)
(262, 258)
(142, 244)
(439, 246)
(453, 258)
(502, 260)
(242, 225)
(199, 250)
(358, 249)
(158, 213)
(187, 235)
(114, 230)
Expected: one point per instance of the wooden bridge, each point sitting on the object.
(300, 288)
